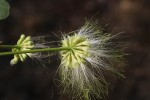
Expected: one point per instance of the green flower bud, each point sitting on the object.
(24, 43)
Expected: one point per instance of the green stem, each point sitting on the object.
(9, 46)
(35, 51)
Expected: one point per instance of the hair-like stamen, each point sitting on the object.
(91, 52)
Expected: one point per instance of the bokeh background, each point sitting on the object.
(30, 81)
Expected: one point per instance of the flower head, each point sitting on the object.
(24, 43)
(91, 52)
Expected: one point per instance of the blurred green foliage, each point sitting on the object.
(4, 9)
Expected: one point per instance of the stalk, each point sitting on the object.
(35, 51)
(9, 46)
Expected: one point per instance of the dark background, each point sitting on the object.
(30, 81)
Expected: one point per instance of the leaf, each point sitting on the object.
(4, 9)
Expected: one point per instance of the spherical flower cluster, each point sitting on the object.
(91, 52)
(24, 43)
